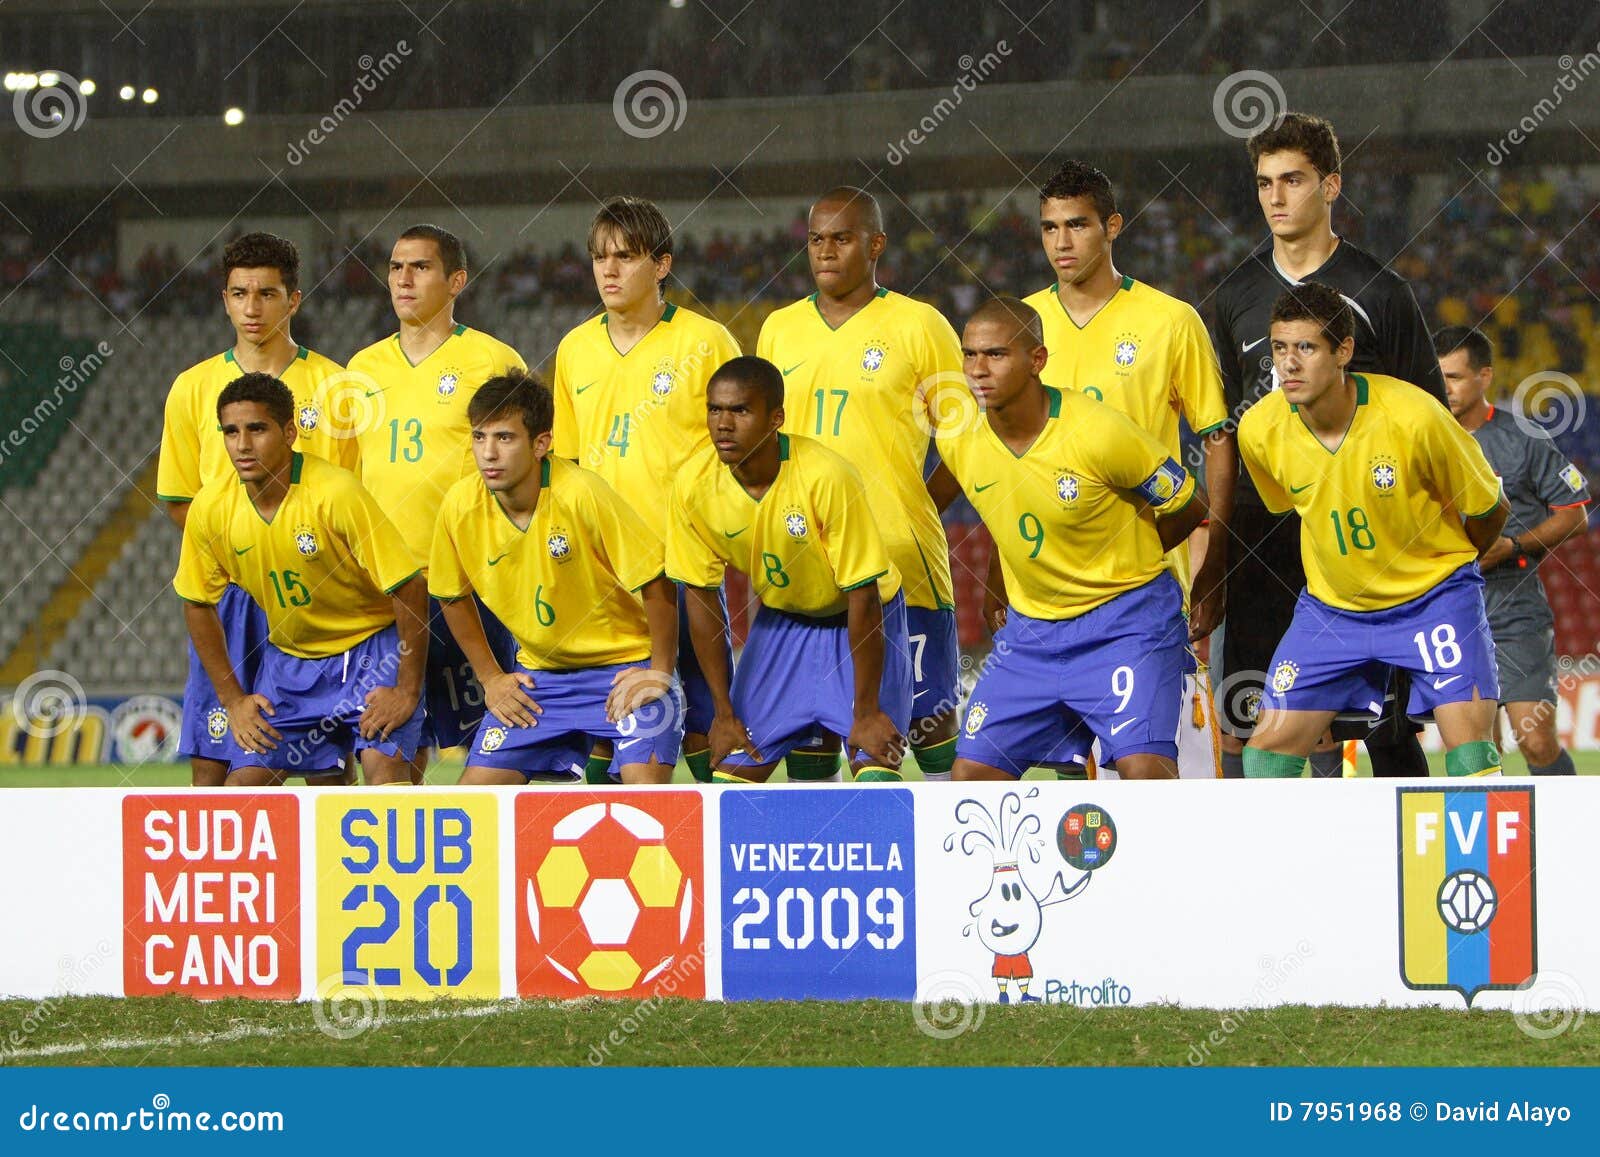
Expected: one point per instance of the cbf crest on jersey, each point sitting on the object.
(663, 379)
(1467, 888)
(217, 722)
(1284, 675)
(449, 380)
(307, 418)
(1066, 488)
(1385, 474)
(794, 521)
(305, 540)
(559, 544)
(1126, 351)
(873, 355)
(493, 737)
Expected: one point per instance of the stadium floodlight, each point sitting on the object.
(11, 82)
(87, 86)
(126, 92)
(150, 96)
(234, 116)
(49, 79)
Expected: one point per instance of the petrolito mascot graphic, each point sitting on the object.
(1009, 915)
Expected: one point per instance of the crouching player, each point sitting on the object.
(577, 578)
(1083, 506)
(345, 603)
(828, 650)
(1396, 503)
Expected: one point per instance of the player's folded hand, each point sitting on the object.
(727, 735)
(250, 731)
(506, 697)
(877, 735)
(1207, 596)
(387, 710)
(994, 610)
(632, 688)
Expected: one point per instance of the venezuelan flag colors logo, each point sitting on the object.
(1467, 895)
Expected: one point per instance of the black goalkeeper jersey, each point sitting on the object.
(1391, 336)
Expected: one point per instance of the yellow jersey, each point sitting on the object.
(804, 543)
(1381, 515)
(565, 587)
(1074, 517)
(415, 439)
(874, 390)
(191, 457)
(636, 418)
(323, 569)
(1146, 354)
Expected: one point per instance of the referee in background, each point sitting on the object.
(1297, 171)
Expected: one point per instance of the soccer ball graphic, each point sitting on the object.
(609, 906)
(1467, 901)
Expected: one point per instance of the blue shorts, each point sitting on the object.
(319, 704)
(796, 677)
(935, 655)
(1335, 660)
(205, 732)
(450, 693)
(696, 691)
(1049, 689)
(574, 717)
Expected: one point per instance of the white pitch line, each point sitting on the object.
(245, 1032)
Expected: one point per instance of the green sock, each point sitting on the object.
(812, 766)
(597, 769)
(1478, 758)
(1076, 772)
(936, 759)
(699, 764)
(1259, 764)
(728, 777)
(878, 775)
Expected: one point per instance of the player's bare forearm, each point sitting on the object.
(1180, 524)
(411, 624)
(660, 596)
(1553, 531)
(864, 622)
(466, 627)
(205, 630)
(944, 488)
(178, 512)
(707, 629)
(994, 593)
(1483, 532)
(1222, 477)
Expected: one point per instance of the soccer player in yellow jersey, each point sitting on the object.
(1083, 505)
(261, 292)
(828, 647)
(871, 374)
(345, 603)
(1397, 503)
(416, 444)
(579, 579)
(630, 396)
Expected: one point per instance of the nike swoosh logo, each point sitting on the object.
(628, 743)
(1441, 684)
(580, 389)
(1298, 489)
(246, 550)
(492, 561)
(792, 368)
(374, 393)
(734, 533)
(1121, 725)
(1246, 347)
(919, 694)
(981, 489)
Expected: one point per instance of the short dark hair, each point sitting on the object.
(871, 211)
(1079, 179)
(263, 389)
(640, 223)
(452, 254)
(514, 392)
(1015, 310)
(1480, 354)
(263, 251)
(1311, 301)
(1302, 133)
(753, 373)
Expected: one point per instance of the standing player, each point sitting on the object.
(418, 443)
(345, 603)
(1547, 495)
(1147, 355)
(579, 579)
(870, 374)
(630, 396)
(1396, 505)
(828, 647)
(1298, 178)
(1083, 505)
(261, 292)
